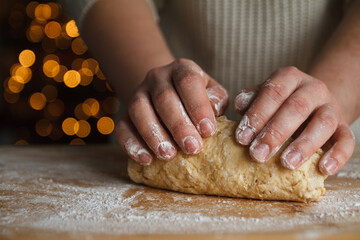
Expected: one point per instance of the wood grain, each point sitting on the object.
(67, 192)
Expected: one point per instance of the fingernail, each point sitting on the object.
(292, 160)
(244, 136)
(191, 145)
(329, 166)
(206, 127)
(259, 152)
(166, 150)
(144, 157)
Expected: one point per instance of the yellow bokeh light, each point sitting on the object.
(55, 9)
(72, 78)
(51, 68)
(37, 101)
(76, 64)
(70, 126)
(60, 76)
(72, 29)
(27, 58)
(30, 8)
(51, 57)
(14, 86)
(91, 107)
(43, 127)
(35, 33)
(105, 125)
(52, 29)
(56, 108)
(84, 129)
(91, 64)
(86, 76)
(50, 92)
(42, 12)
(13, 68)
(79, 113)
(77, 141)
(78, 46)
(22, 74)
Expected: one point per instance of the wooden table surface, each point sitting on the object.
(78, 192)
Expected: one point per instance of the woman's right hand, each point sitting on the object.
(174, 106)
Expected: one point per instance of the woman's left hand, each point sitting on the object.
(288, 101)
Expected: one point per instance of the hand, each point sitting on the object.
(174, 105)
(290, 100)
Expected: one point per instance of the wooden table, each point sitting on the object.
(78, 192)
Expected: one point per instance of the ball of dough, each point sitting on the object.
(224, 168)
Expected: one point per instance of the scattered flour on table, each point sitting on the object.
(72, 196)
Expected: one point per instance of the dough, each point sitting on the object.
(224, 168)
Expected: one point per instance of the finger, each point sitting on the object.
(218, 96)
(321, 127)
(190, 83)
(273, 93)
(149, 127)
(336, 157)
(171, 111)
(244, 99)
(293, 112)
(130, 142)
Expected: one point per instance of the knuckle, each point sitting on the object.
(276, 92)
(321, 88)
(300, 105)
(183, 61)
(290, 70)
(348, 135)
(187, 78)
(328, 119)
(277, 135)
(136, 104)
(163, 95)
(256, 120)
(153, 73)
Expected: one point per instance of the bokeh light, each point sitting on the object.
(42, 12)
(51, 68)
(27, 58)
(91, 107)
(78, 46)
(37, 101)
(70, 126)
(71, 29)
(43, 127)
(105, 125)
(77, 141)
(84, 129)
(72, 78)
(56, 108)
(52, 29)
(46, 94)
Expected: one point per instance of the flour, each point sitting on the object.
(83, 191)
(243, 100)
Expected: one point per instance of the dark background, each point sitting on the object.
(41, 103)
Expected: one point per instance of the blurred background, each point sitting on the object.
(53, 91)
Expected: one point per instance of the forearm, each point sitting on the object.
(338, 64)
(124, 36)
